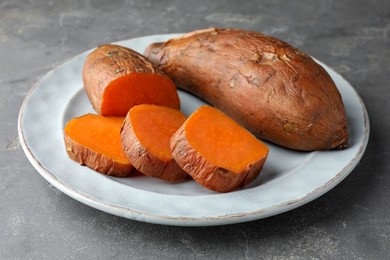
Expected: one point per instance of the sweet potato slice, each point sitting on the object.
(271, 88)
(146, 135)
(94, 141)
(216, 151)
(117, 78)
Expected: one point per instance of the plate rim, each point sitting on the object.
(187, 221)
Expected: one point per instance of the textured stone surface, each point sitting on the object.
(352, 221)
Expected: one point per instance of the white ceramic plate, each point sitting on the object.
(288, 180)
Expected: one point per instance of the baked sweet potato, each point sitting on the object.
(146, 135)
(216, 151)
(117, 78)
(94, 141)
(274, 90)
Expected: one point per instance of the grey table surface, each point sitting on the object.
(352, 221)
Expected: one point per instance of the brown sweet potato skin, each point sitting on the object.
(206, 173)
(107, 63)
(274, 90)
(96, 161)
(144, 161)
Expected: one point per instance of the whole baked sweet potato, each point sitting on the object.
(276, 91)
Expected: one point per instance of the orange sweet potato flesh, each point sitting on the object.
(216, 151)
(271, 88)
(146, 135)
(94, 141)
(117, 78)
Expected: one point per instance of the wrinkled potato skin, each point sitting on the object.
(144, 161)
(274, 90)
(107, 63)
(98, 162)
(206, 173)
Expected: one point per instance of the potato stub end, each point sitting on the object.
(222, 141)
(94, 141)
(138, 88)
